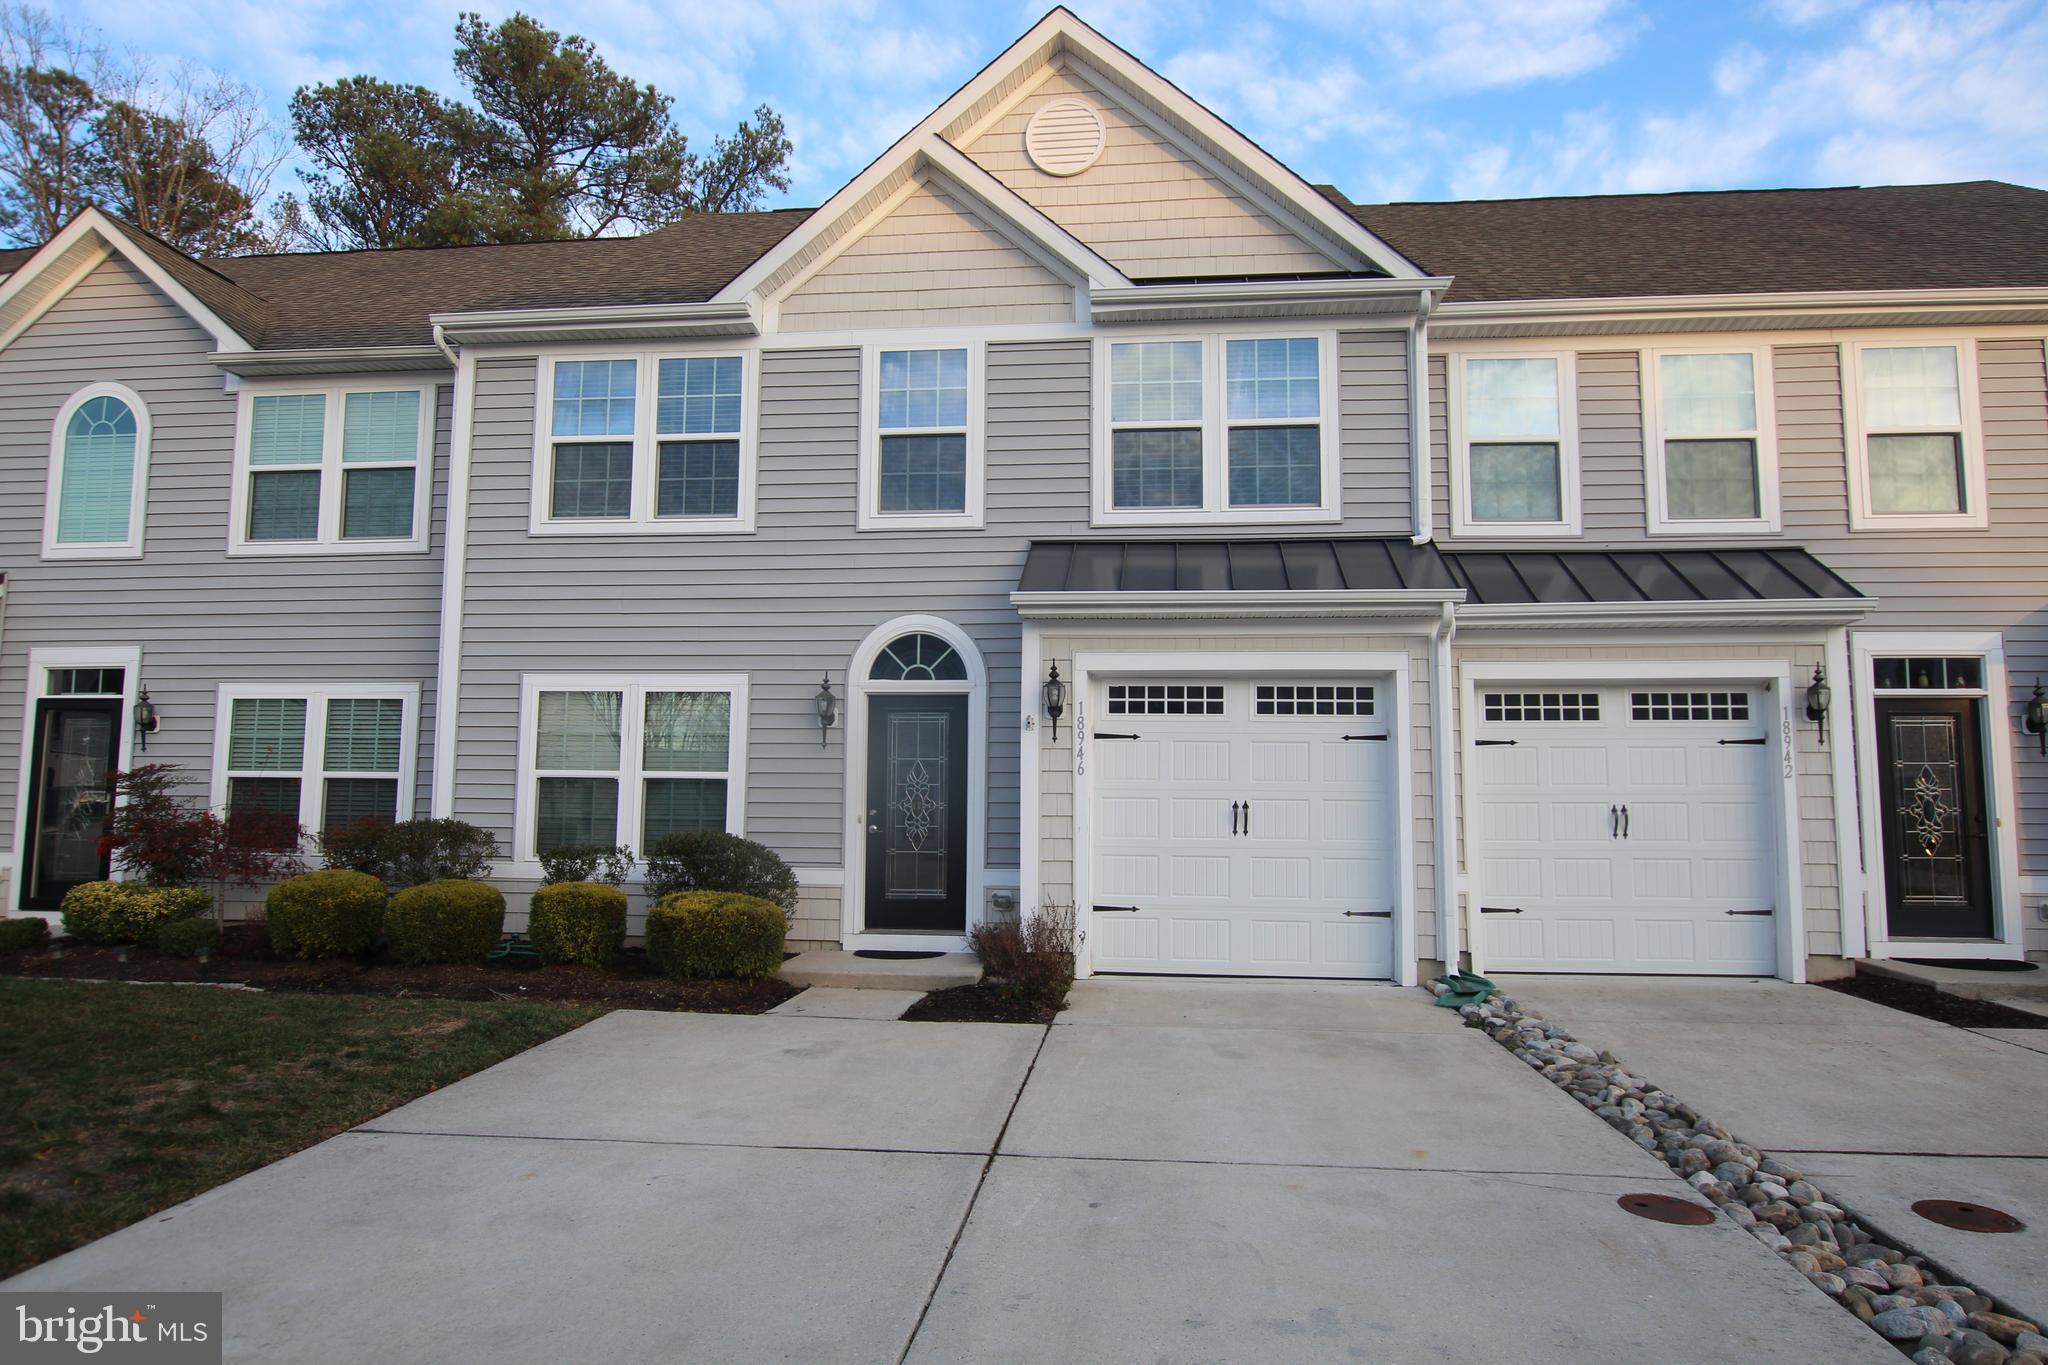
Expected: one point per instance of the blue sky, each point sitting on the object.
(1390, 99)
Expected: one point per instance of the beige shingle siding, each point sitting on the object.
(931, 262)
(200, 617)
(1145, 206)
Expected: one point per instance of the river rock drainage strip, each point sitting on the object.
(1890, 1289)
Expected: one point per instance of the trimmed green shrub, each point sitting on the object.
(711, 861)
(412, 852)
(184, 937)
(20, 935)
(129, 912)
(577, 922)
(586, 863)
(452, 920)
(715, 933)
(331, 913)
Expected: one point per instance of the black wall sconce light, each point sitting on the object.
(1818, 696)
(2035, 718)
(1055, 697)
(828, 708)
(147, 721)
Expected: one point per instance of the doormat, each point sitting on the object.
(894, 954)
(1972, 964)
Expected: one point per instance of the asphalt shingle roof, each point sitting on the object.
(1977, 233)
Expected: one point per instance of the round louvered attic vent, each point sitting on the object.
(1065, 137)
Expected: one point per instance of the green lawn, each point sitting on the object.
(117, 1101)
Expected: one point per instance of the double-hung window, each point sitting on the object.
(1915, 453)
(1216, 428)
(921, 458)
(99, 472)
(610, 760)
(341, 467)
(322, 756)
(1713, 460)
(1516, 458)
(645, 442)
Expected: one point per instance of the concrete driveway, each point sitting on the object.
(1178, 1171)
(1879, 1107)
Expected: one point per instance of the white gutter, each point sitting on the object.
(1835, 611)
(454, 553)
(1264, 298)
(1418, 429)
(1154, 606)
(1470, 318)
(441, 345)
(1448, 905)
(335, 360)
(599, 322)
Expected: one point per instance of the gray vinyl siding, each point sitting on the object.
(1988, 580)
(200, 617)
(795, 599)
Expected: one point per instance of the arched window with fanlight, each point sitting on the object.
(99, 458)
(918, 658)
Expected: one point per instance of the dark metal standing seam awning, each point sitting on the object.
(1367, 573)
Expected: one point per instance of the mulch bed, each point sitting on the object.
(244, 959)
(1929, 1003)
(979, 1003)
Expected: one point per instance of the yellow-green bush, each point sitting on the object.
(577, 922)
(332, 913)
(129, 912)
(445, 921)
(715, 933)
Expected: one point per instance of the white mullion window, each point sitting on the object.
(99, 475)
(322, 755)
(1515, 460)
(1916, 459)
(332, 468)
(625, 761)
(1713, 461)
(921, 459)
(1216, 428)
(645, 442)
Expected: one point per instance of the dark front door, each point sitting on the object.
(1937, 844)
(917, 813)
(75, 747)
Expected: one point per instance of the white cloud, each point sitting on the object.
(1484, 44)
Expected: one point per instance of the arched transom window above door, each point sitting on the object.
(918, 658)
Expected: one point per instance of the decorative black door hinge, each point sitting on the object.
(1751, 912)
(1492, 743)
(1760, 739)
(1365, 736)
(1368, 914)
(1500, 910)
(1104, 734)
(1114, 909)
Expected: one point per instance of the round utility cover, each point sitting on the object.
(1967, 1217)
(1662, 1208)
(1065, 137)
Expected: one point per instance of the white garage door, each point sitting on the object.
(1243, 827)
(1625, 829)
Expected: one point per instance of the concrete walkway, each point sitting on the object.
(1178, 1171)
(1880, 1107)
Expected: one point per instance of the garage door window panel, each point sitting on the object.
(1542, 706)
(1166, 699)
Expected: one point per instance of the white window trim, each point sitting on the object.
(1216, 424)
(1462, 523)
(1975, 515)
(1769, 520)
(635, 686)
(313, 771)
(332, 488)
(870, 516)
(131, 546)
(646, 444)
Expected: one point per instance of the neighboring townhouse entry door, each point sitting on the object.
(917, 813)
(76, 745)
(1937, 841)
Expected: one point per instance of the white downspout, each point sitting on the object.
(1418, 428)
(1447, 903)
(454, 550)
